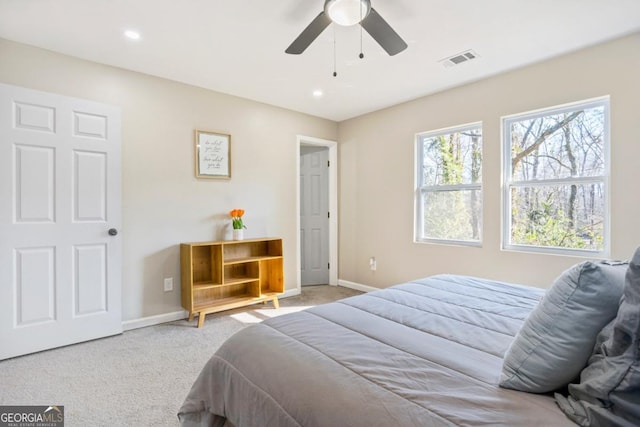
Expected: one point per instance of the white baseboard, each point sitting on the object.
(128, 325)
(290, 293)
(357, 286)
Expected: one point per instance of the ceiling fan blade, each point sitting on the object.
(382, 32)
(309, 34)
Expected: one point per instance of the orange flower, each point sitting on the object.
(236, 218)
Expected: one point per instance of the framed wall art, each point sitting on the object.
(213, 155)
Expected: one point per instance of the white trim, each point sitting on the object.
(143, 322)
(559, 109)
(451, 242)
(290, 293)
(356, 286)
(558, 181)
(450, 129)
(333, 206)
(450, 187)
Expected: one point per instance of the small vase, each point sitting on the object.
(238, 234)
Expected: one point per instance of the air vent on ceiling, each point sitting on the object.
(459, 58)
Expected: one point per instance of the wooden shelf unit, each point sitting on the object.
(217, 276)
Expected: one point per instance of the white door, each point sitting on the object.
(60, 265)
(314, 210)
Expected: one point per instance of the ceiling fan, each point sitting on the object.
(347, 13)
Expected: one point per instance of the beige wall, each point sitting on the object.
(377, 157)
(163, 203)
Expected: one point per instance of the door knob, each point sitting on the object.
(113, 232)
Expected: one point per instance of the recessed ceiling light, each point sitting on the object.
(317, 93)
(133, 35)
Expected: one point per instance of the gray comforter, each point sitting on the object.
(424, 353)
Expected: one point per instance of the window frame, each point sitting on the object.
(420, 188)
(508, 184)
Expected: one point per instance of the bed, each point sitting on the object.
(424, 353)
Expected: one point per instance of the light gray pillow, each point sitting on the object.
(557, 338)
(608, 390)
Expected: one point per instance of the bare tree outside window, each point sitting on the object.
(449, 185)
(556, 178)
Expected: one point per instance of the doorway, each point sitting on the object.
(314, 215)
(317, 211)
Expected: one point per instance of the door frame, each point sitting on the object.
(333, 206)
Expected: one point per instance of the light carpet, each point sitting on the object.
(141, 377)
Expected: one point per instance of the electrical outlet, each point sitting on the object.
(168, 284)
(372, 263)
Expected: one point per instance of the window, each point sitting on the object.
(449, 185)
(555, 179)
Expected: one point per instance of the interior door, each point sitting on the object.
(60, 196)
(314, 210)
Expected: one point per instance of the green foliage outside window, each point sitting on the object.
(557, 178)
(450, 203)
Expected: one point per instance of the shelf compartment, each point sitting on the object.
(241, 272)
(220, 303)
(213, 296)
(205, 263)
(247, 249)
(271, 279)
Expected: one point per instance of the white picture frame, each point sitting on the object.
(212, 155)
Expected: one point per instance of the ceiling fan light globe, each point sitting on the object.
(347, 12)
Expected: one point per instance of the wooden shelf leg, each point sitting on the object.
(190, 317)
(201, 317)
(276, 304)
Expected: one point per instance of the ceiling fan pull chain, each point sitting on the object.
(361, 18)
(335, 73)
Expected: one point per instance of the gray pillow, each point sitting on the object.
(557, 338)
(608, 392)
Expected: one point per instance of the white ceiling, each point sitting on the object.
(237, 46)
